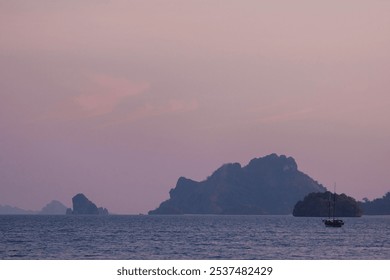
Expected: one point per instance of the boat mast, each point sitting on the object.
(334, 201)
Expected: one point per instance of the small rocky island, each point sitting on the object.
(321, 204)
(83, 206)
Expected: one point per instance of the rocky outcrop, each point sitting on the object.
(268, 185)
(83, 206)
(324, 204)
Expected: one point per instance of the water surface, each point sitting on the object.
(191, 237)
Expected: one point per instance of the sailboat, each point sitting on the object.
(332, 221)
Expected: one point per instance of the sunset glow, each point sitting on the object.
(118, 99)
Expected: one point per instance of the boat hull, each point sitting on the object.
(333, 223)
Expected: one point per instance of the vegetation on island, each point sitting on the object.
(323, 204)
(379, 206)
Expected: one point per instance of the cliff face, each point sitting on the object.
(268, 185)
(322, 205)
(83, 206)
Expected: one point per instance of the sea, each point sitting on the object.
(188, 237)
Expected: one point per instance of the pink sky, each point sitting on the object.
(118, 99)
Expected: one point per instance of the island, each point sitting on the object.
(320, 204)
(83, 206)
(54, 207)
(267, 185)
(379, 206)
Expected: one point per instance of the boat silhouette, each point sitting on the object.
(332, 221)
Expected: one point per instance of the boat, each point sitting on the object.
(332, 221)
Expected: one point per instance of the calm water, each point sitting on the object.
(191, 237)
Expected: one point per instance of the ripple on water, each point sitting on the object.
(191, 237)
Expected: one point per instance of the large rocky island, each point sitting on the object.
(268, 185)
(83, 206)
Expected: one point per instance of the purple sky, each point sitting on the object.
(118, 99)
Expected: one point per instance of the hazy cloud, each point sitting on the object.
(149, 110)
(287, 116)
(104, 93)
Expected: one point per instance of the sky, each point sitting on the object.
(118, 99)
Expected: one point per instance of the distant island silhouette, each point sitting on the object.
(12, 210)
(267, 185)
(83, 206)
(52, 208)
